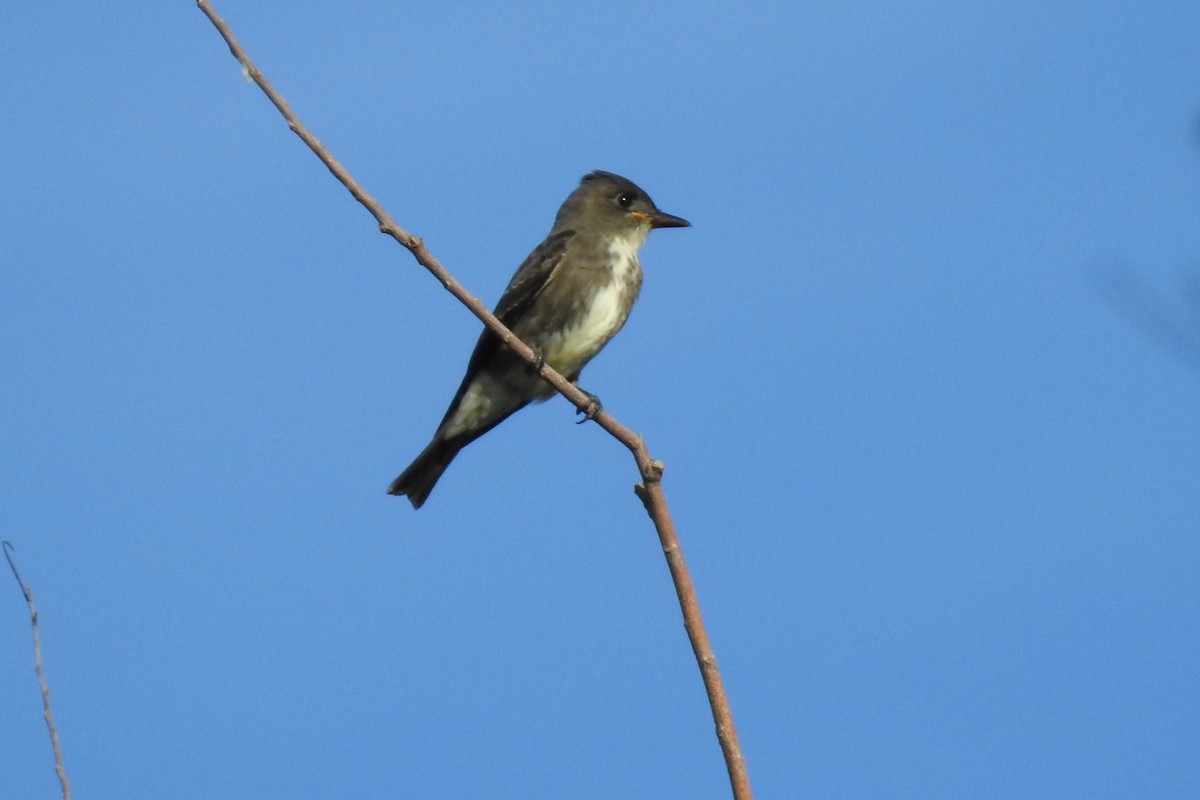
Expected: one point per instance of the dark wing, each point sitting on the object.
(531, 277)
(526, 284)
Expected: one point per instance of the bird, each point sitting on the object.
(568, 298)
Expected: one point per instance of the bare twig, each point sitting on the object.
(1172, 322)
(652, 497)
(41, 676)
(649, 490)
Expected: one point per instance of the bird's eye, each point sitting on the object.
(625, 200)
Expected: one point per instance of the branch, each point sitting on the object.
(649, 490)
(1171, 323)
(41, 676)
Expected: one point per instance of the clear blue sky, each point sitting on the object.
(925, 374)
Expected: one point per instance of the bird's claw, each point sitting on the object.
(539, 361)
(592, 409)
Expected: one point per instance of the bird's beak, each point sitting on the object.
(658, 219)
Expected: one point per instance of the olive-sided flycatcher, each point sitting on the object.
(569, 297)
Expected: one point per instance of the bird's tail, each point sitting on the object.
(417, 481)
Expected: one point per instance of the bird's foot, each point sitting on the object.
(539, 361)
(593, 407)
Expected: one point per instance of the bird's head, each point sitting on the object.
(612, 203)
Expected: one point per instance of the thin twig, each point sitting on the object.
(41, 676)
(1173, 324)
(649, 490)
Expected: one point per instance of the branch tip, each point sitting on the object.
(47, 715)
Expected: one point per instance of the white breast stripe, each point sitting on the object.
(571, 350)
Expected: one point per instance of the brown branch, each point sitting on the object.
(41, 676)
(652, 497)
(650, 490)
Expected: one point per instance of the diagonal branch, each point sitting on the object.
(649, 490)
(41, 676)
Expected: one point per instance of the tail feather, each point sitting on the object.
(418, 480)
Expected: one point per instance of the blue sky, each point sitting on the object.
(925, 374)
